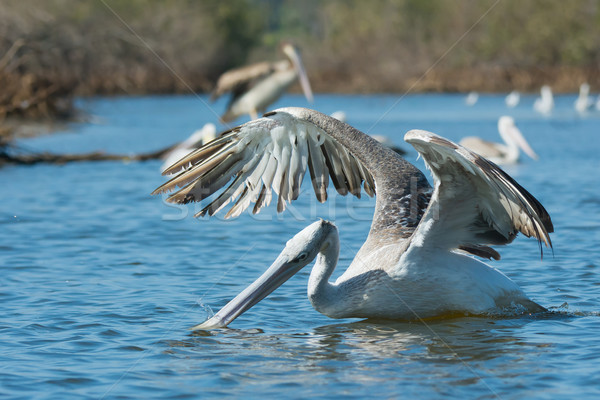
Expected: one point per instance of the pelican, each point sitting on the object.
(513, 98)
(545, 103)
(472, 98)
(197, 139)
(583, 101)
(507, 153)
(254, 87)
(417, 259)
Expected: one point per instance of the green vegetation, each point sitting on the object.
(52, 50)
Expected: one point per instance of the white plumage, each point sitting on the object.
(501, 153)
(545, 103)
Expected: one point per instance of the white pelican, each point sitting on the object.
(414, 263)
(513, 98)
(598, 103)
(254, 87)
(583, 101)
(545, 103)
(507, 153)
(196, 139)
(472, 98)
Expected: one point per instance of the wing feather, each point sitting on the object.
(474, 202)
(272, 153)
(334, 164)
(319, 173)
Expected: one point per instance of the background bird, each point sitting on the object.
(254, 87)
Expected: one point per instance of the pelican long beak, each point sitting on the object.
(279, 272)
(522, 143)
(294, 56)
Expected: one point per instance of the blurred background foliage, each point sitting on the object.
(55, 49)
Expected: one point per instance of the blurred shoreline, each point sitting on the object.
(52, 51)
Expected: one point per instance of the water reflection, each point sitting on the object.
(481, 350)
(457, 340)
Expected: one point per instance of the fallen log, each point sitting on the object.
(11, 157)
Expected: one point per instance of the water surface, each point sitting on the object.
(100, 280)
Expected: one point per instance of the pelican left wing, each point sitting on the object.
(474, 202)
(265, 155)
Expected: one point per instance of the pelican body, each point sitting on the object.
(417, 261)
(545, 103)
(507, 153)
(583, 102)
(471, 98)
(253, 88)
(512, 99)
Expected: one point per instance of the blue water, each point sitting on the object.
(100, 280)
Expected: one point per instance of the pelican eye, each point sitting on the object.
(301, 257)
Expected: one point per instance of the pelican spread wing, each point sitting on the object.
(474, 202)
(270, 154)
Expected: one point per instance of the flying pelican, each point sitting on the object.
(472, 98)
(507, 153)
(197, 139)
(583, 101)
(414, 263)
(545, 103)
(254, 87)
(513, 98)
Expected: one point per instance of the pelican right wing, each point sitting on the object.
(268, 154)
(474, 202)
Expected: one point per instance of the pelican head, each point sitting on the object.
(513, 136)
(299, 251)
(293, 54)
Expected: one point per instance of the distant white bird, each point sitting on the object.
(584, 101)
(598, 103)
(413, 264)
(498, 153)
(545, 103)
(472, 98)
(254, 87)
(512, 99)
(197, 139)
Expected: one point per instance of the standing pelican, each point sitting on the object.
(583, 101)
(197, 139)
(545, 103)
(414, 263)
(254, 87)
(513, 98)
(507, 153)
